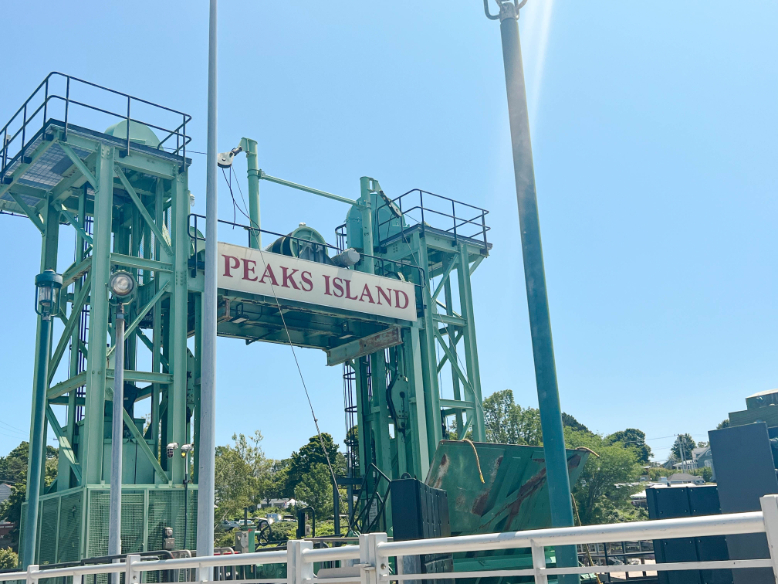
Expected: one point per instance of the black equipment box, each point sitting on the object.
(691, 501)
(421, 512)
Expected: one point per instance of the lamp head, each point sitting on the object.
(122, 286)
(48, 285)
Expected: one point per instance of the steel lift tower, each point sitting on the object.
(123, 193)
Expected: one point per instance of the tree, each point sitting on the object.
(683, 446)
(8, 559)
(506, 422)
(315, 490)
(242, 475)
(569, 421)
(13, 469)
(723, 424)
(605, 484)
(303, 461)
(636, 439)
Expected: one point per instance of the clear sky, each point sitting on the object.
(654, 130)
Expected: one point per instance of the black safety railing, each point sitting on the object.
(36, 111)
(383, 266)
(368, 515)
(429, 210)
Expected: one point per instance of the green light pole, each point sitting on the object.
(48, 285)
(535, 277)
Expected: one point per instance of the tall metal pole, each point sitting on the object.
(206, 469)
(534, 274)
(252, 161)
(36, 444)
(117, 437)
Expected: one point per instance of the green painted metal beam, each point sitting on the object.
(79, 164)
(139, 263)
(30, 212)
(74, 222)
(444, 277)
(141, 313)
(22, 168)
(144, 213)
(75, 317)
(143, 376)
(65, 449)
(264, 176)
(75, 271)
(129, 423)
(66, 386)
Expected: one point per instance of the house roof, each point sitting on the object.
(684, 476)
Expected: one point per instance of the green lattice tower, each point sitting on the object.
(134, 195)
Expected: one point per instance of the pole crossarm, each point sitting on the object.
(143, 312)
(79, 164)
(444, 277)
(64, 444)
(143, 211)
(75, 315)
(159, 472)
(30, 212)
(74, 222)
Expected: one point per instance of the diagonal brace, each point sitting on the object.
(142, 208)
(457, 337)
(31, 213)
(453, 361)
(64, 444)
(70, 324)
(141, 314)
(141, 442)
(79, 164)
(74, 222)
(446, 274)
(150, 346)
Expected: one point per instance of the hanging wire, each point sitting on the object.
(294, 353)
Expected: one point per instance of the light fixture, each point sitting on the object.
(122, 286)
(48, 284)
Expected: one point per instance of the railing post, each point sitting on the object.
(372, 568)
(32, 574)
(298, 571)
(539, 563)
(132, 575)
(770, 512)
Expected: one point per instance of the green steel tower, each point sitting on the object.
(123, 193)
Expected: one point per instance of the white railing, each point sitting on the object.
(368, 562)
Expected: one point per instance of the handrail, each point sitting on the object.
(374, 549)
(27, 118)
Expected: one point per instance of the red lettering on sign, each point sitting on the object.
(327, 286)
(306, 281)
(268, 273)
(337, 283)
(366, 290)
(397, 299)
(287, 277)
(248, 268)
(387, 297)
(348, 291)
(228, 267)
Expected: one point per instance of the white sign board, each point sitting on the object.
(245, 269)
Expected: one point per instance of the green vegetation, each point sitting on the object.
(13, 470)
(9, 559)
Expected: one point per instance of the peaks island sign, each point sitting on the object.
(244, 269)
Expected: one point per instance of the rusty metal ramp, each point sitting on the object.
(514, 493)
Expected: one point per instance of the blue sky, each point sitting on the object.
(654, 132)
